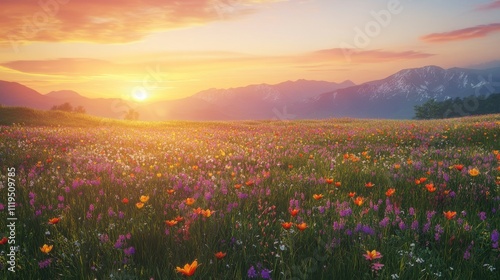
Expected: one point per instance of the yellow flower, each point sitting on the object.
(46, 248)
(139, 205)
(144, 198)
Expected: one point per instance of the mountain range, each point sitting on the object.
(393, 97)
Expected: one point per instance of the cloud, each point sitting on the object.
(489, 6)
(462, 34)
(111, 21)
(365, 56)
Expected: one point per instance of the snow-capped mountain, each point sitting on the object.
(396, 95)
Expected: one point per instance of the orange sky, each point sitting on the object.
(172, 49)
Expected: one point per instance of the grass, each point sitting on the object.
(91, 172)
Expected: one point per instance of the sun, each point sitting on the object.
(140, 95)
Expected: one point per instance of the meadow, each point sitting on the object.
(326, 199)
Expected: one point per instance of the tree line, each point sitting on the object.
(67, 107)
(458, 107)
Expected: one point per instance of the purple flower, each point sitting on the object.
(129, 251)
(494, 238)
(45, 263)
(482, 216)
(1, 207)
(60, 198)
(338, 226)
(414, 225)
(411, 211)
(265, 274)
(91, 207)
(384, 222)
(402, 225)
(345, 212)
(251, 272)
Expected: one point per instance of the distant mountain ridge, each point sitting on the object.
(392, 97)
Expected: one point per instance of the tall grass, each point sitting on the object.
(252, 174)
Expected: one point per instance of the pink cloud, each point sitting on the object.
(489, 6)
(110, 21)
(462, 34)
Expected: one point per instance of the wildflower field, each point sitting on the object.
(329, 199)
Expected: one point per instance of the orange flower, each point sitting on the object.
(373, 255)
(54, 221)
(125, 200)
(144, 198)
(430, 187)
(417, 181)
(338, 184)
(189, 269)
(397, 166)
(286, 225)
(329, 180)
(352, 194)
(317, 196)
(458, 167)
(294, 212)
(170, 191)
(220, 255)
(3, 240)
(139, 205)
(359, 201)
(207, 213)
(171, 223)
(237, 186)
(249, 183)
(195, 167)
(290, 166)
(422, 179)
(46, 248)
(179, 219)
(190, 200)
(158, 175)
(301, 226)
(390, 192)
(369, 184)
(474, 172)
(450, 215)
(197, 211)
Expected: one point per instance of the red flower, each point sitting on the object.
(286, 225)
(125, 200)
(294, 212)
(220, 255)
(54, 221)
(3, 240)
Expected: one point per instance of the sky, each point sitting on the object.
(153, 50)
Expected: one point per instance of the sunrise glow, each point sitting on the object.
(173, 49)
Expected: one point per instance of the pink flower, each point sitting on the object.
(377, 266)
(373, 255)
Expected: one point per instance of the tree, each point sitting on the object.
(79, 109)
(132, 115)
(66, 107)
